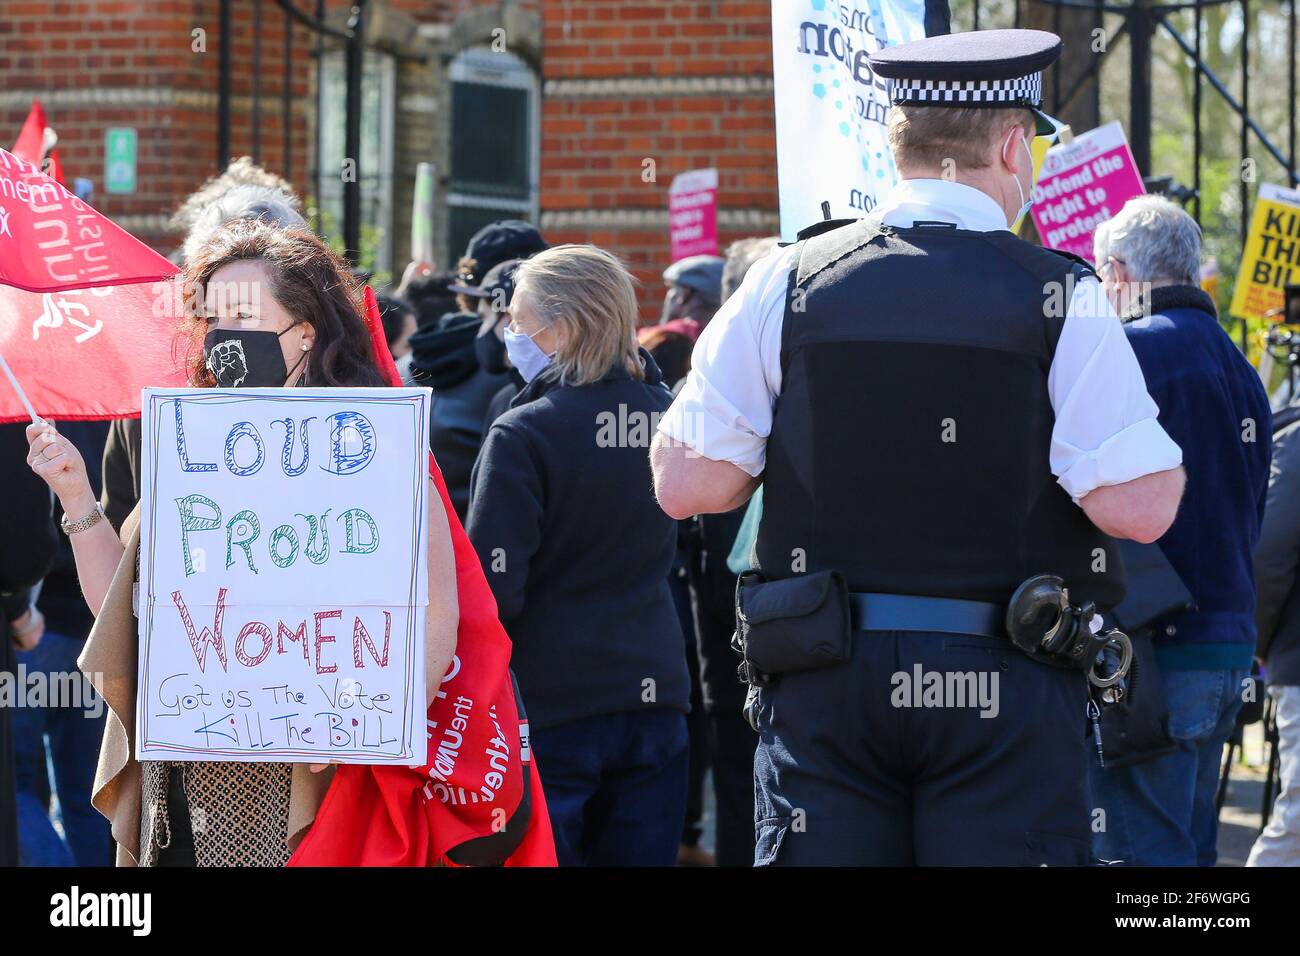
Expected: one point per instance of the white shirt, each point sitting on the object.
(1106, 431)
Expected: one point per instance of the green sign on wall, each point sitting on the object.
(119, 159)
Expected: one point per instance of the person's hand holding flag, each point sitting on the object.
(87, 311)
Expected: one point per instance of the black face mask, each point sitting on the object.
(491, 353)
(249, 359)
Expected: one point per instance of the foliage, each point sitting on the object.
(330, 229)
(1173, 101)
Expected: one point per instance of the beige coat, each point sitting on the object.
(109, 660)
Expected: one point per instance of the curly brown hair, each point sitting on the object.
(308, 280)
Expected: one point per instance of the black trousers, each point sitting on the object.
(697, 728)
(731, 739)
(732, 743)
(854, 769)
(8, 799)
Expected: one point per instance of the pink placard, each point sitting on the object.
(1081, 185)
(693, 214)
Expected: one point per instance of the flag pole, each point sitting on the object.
(22, 396)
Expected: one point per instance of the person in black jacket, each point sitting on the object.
(731, 740)
(577, 554)
(671, 351)
(1277, 619)
(26, 556)
(463, 360)
(461, 356)
(73, 720)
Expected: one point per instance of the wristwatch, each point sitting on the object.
(81, 524)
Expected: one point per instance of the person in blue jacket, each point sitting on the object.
(1160, 812)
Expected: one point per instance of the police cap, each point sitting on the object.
(991, 68)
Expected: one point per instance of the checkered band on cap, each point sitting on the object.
(1017, 90)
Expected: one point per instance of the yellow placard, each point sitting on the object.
(1271, 260)
(1038, 147)
(1210, 278)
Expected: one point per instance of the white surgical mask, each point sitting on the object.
(526, 355)
(1026, 202)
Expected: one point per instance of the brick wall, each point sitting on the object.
(95, 64)
(685, 85)
(677, 85)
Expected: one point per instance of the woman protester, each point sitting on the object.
(577, 552)
(287, 315)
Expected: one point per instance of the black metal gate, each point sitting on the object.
(353, 39)
(1143, 23)
(1155, 33)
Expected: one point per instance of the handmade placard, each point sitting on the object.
(283, 575)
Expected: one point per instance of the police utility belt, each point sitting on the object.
(807, 622)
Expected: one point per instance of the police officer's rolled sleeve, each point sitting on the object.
(1106, 430)
(724, 410)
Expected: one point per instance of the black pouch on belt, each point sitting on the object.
(793, 624)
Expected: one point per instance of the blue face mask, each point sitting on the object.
(525, 355)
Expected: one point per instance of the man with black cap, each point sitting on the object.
(461, 356)
(493, 298)
(496, 242)
(938, 411)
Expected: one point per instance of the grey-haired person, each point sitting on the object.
(1160, 811)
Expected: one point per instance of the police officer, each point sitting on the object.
(937, 411)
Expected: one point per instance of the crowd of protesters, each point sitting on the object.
(622, 617)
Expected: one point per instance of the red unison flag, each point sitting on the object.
(87, 312)
(31, 141)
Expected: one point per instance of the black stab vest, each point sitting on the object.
(909, 445)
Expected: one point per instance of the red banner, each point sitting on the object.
(30, 144)
(52, 241)
(87, 312)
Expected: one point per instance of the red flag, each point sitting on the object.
(480, 779)
(51, 241)
(30, 144)
(87, 311)
(379, 341)
(480, 787)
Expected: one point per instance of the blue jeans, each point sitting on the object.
(1161, 812)
(616, 787)
(73, 738)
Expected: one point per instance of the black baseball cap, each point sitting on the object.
(495, 243)
(500, 277)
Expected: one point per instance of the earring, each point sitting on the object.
(306, 347)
